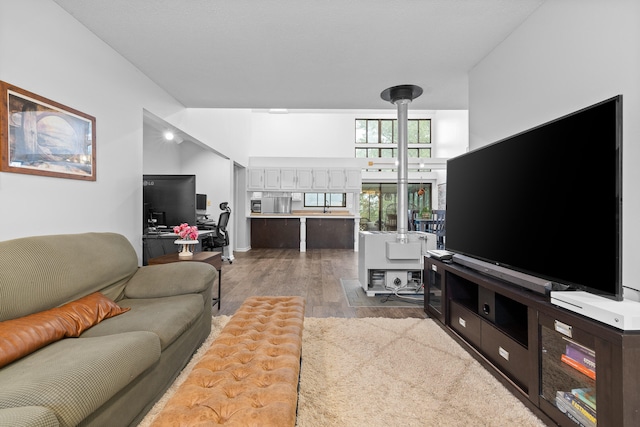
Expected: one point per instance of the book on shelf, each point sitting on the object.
(581, 354)
(563, 403)
(579, 366)
(580, 406)
(586, 395)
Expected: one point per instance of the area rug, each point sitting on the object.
(357, 297)
(372, 372)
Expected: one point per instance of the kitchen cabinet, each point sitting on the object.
(329, 233)
(320, 179)
(288, 179)
(304, 179)
(255, 179)
(280, 233)
(260, 179)
(337, 179)
(353, 179)
(295, 179)
(272, 179)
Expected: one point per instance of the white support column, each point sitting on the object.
(303, 234)
(356, 233)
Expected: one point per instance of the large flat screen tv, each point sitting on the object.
(546, 202)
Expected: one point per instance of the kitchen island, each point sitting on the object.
(305, 230)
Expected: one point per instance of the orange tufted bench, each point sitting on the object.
(249, 376)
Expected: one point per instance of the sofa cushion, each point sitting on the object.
(167, 317)
(73, 377)
(24, 335)
(41, 272)
(165, 280)
(28, 416)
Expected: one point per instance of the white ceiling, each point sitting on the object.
(304, 54)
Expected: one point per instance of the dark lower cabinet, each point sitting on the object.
(284, 233)
(568, 369)
(329, 233)
(279, 233)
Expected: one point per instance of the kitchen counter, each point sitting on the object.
(315, 230)
(305, 214)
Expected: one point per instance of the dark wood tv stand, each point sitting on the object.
(520, 337)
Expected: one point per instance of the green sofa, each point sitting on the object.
(113, 372)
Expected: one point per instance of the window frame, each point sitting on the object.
(326, 196)
(383, 148)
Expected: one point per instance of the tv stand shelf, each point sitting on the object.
(520, 337)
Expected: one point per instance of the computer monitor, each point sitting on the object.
(171, 195)
(201, 204)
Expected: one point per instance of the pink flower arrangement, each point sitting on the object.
(186, 232)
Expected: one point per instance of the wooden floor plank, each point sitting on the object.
(314, 275)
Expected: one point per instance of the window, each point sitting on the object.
(379, 202)
(378, 138)
(325, 200)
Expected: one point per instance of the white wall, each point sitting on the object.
(332, 133)
(46, 51)
(568, 55)
(227, 131)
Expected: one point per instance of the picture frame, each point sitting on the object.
(39, 136)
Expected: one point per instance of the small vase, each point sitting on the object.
(187, 246)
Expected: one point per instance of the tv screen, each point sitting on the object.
(170, 198)
(546, 202)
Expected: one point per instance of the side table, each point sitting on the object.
(212, 258)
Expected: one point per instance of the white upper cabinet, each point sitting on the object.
(354, 179)
(302, 179)
(288, 179)
(272, 178)
(255, 179)
(259, 179)
(320, 179)
(305, 179)
(337, 179)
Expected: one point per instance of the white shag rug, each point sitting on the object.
(382, 372)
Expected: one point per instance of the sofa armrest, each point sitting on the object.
(164, 280)
(28, 416)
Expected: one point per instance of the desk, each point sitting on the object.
(212, 258)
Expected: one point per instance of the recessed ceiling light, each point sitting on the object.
(168, 135)
(278, 111)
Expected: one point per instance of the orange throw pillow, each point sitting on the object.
(24, 335)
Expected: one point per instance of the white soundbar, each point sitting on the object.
(623, 314)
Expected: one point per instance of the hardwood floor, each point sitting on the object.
(314, 275)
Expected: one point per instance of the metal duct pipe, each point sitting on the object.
(402, 96)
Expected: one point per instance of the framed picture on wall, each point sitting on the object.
(43, 137)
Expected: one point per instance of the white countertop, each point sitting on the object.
(305, 215)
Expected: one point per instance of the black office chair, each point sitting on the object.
(220, 239)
